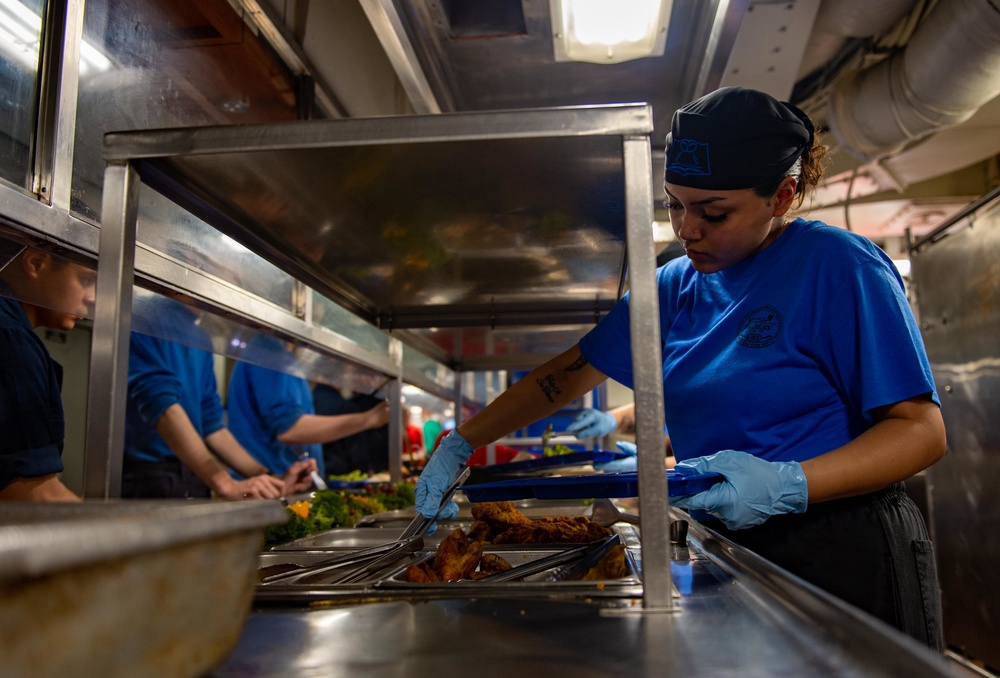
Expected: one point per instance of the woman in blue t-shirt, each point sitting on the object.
(792, 365)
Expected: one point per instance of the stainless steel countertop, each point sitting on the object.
(736, 615)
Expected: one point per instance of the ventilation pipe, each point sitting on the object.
(948, 70)
(839, 20)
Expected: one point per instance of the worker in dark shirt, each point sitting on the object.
(366, 451)
(37, 289)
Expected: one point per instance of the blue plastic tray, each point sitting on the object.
(612, 485)
(571, 459)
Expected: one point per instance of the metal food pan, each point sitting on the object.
(390, 528)
(515, 555)
(127, 588)
(353, 538)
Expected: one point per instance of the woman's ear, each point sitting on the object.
(784, 196)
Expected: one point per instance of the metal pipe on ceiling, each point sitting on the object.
(947, 71)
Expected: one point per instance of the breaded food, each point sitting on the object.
(499, 515)
(611, 566)
(561, 530)
(457, 557)
(421, 573)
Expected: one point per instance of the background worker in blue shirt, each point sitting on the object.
(176, 441)
(37, 289)
(792, 365)
(272, 415)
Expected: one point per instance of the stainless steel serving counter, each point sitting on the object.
(736, 615)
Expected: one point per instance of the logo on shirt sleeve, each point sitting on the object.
(759, 328)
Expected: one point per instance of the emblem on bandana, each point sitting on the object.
(689, 157)
(759, 328)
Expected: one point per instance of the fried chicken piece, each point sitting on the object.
(457, 557)
(421, 573)
(481, 531)
(559, 530)
(500, 515)
(611, 566)
(491, 563)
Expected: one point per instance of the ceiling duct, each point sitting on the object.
(948, 70)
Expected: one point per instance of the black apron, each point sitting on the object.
(872, 551)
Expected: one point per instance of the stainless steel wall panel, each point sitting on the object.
(956, 282)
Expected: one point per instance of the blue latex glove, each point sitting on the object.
(591, 423)
(446, 462)
(620, 465)
(753, 491)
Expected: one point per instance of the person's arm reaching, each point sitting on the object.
(546, 389)
(297, 477)
(184, 441)
(324, 428)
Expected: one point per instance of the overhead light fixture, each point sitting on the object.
(609, 31)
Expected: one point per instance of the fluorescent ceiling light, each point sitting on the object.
(20, 33)
(609, 31)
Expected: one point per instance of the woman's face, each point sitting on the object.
(721, 228)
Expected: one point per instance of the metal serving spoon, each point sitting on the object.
(605, 513)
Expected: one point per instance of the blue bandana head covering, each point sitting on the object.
(735, 138)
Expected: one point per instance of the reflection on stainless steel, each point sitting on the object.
(171, 581)
(736, 616)
(546, 186)
(166, 318)
(956, 281)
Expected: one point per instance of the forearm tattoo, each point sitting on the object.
(577, 364)
(548, 386)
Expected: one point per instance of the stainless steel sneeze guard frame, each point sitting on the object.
(519, 213)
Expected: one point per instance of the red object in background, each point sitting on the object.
(504, 454)
(415, 439)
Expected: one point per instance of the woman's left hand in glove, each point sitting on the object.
(753, 491)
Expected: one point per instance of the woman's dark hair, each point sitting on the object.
(808, 169)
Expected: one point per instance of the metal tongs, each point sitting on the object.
(585, 552)
(369, 557)
(581, 567)
(420, 524)
(373, 559)
(548, 435)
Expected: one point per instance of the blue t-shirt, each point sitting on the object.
(162, 373)
(31, 412)
(784, 355)
(264, 403)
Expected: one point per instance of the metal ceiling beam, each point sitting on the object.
(388, 26)
(265, 19)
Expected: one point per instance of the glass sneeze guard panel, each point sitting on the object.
(168, 64)
(20, 39)
(170, 230)
(165, 318)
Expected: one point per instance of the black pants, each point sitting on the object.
(872, 551)
(161, 480)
